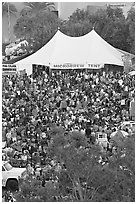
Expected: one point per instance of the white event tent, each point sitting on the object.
(64, 51)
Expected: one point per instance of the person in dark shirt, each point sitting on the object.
(88, 132)
(15, 161)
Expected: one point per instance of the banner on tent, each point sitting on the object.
(76, 66)
(95, 66)
(9, 69)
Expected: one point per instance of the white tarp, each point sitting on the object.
(27, 67)
(87, 49)
(3, 144)
(132, 73)
(9, 69)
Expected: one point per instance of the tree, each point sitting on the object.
(37, 30)
(32, 191)
(115, 30)
(8, 9)
(82, 177)
(110, 24)
(130, 22)
(78, 24)
(99, 20)
(34, 8)
(114, 13)
(12, 9)
(116, 35)
(78, 15)
(84, 172)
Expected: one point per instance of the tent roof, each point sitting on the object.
(89, 48)
(126, 53)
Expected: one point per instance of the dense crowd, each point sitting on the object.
(93, 103)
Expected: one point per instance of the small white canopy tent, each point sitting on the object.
(132, 73)
(61, 49)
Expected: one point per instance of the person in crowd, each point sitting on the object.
(93, 103)
(30, 170)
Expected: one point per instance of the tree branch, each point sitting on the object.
(95, 192)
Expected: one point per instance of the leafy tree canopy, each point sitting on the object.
(110, 24)
(34, 8)
(37, 30)
(12, 8)
(81, 176)
(130, 21)
(37, 25)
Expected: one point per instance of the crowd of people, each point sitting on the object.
(93, 103)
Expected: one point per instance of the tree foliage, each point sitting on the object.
(37, 25)
(12, 9)
(81, 176)
(131, 29)
(35, 8)
(78, 24)
(37, 30)
(110, 24)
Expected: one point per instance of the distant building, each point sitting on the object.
(125, 6)
(115, 5)
(92, 9)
